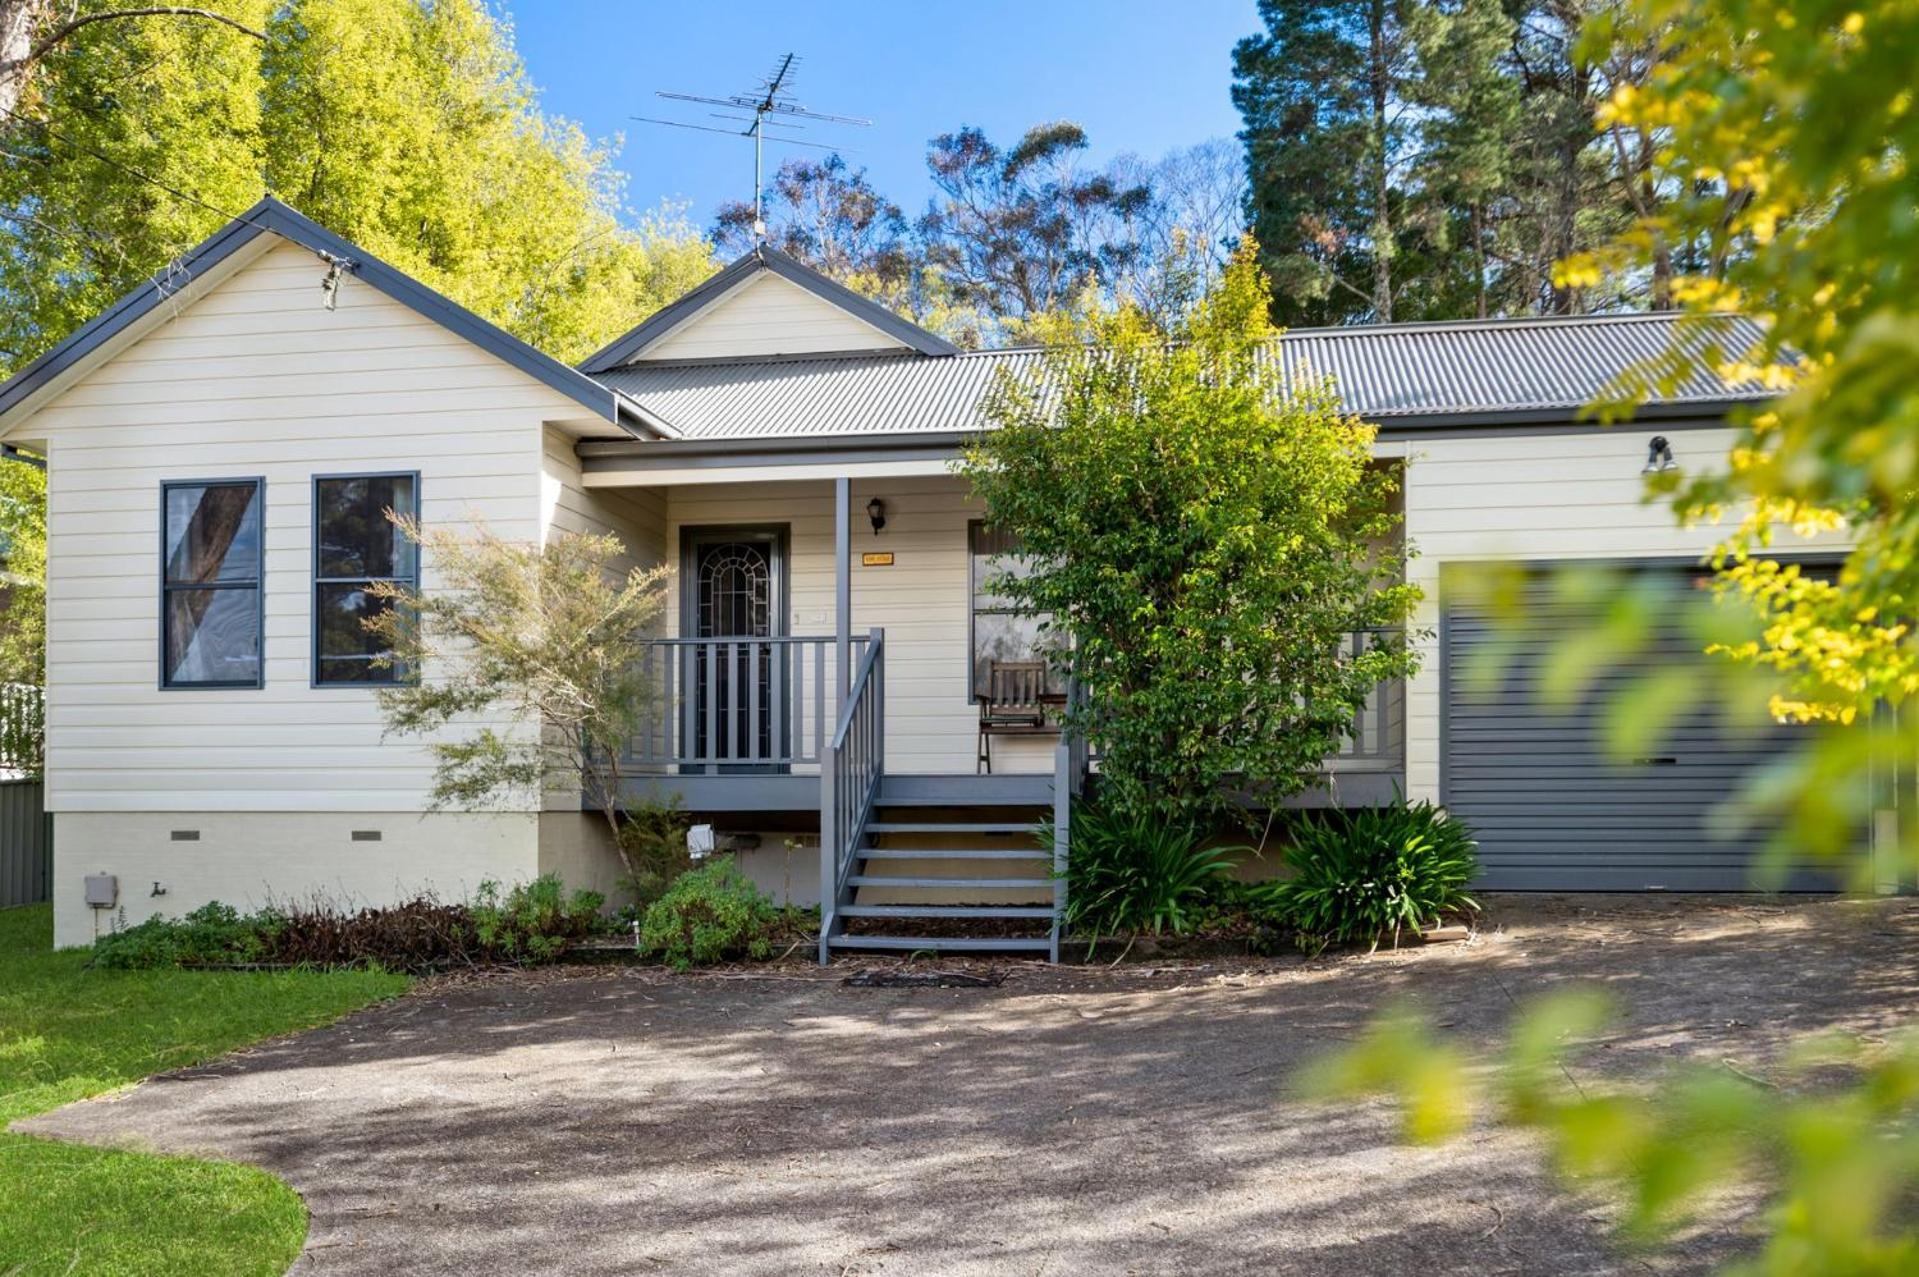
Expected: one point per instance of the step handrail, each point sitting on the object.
(851, 764)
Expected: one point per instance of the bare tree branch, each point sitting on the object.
(48, 42)
(20, 51)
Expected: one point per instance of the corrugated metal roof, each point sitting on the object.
(1381, 372)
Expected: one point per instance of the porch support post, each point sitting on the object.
(842, 592)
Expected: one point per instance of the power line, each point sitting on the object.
(121, 165)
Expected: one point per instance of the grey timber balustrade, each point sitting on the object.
(851, 765)
(737, 705)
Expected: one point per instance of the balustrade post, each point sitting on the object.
(842, 592)
(829, 844)
(1062, 832)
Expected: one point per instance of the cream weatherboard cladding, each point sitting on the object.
(768, 315)
(258, 378)
(310, 394)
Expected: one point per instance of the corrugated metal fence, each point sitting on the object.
(26, 833)
(26, 844)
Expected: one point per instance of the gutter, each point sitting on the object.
(676, 447)
(1703, 412)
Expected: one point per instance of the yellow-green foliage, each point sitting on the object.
(411, 129)
(408, 127)
(1790, 128)
(1837, 1163)
(23, 572)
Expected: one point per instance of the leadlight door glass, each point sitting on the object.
(735, 597)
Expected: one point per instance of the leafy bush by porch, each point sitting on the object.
(529, 923)
(653, 847)
(541, 643)
(710, 914)
(1204, 537)
(1363, 873)
(1133, 874)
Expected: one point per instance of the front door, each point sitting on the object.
(734, 595)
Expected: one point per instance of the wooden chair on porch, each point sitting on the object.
(1011, 704)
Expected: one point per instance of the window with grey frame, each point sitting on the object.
(356, 545)
(212, 565)
(1001, 630)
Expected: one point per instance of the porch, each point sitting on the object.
(738, 724)
(827, 640)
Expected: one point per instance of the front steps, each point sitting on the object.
(943, 876)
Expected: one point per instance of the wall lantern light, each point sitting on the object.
(1659, 458)
(876, 511)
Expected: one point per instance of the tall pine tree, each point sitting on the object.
(1414, 159)
(1322, 93)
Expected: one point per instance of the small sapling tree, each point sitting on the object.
(542, 645)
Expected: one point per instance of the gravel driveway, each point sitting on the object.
(1070, 1121)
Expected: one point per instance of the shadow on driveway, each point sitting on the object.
(1067, 1122)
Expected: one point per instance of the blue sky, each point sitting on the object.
(1140, 75)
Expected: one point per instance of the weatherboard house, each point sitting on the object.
(838, 695)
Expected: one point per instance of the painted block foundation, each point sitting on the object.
(250, 859)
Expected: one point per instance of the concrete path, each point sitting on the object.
(1068, 1122)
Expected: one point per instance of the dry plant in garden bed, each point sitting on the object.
(535, 922)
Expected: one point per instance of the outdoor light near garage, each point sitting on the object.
(876, 511)
(1659, 458)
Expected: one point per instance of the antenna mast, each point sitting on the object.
(769, 106)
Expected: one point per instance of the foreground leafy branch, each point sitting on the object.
(1832, 1143)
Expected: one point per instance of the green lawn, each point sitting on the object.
(67, 1032)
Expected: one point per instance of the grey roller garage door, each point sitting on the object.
(1552, 811)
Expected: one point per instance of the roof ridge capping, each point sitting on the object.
(273, 215)
(1476, 375)
(1508, 322)
(763, 257)
(1504, 323)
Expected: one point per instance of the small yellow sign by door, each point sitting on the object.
(877, 559)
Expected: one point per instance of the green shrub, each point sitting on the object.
(530, 923)
(533, 922)
(1361, 873)
(214, 935)
(1136, 873)
(709, 914)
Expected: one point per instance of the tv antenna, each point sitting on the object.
(770, 105)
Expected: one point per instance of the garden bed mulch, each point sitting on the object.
(1236, 941)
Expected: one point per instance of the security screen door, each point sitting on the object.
(736, 594)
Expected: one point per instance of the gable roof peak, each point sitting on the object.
(273, 216)
(763, 258)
